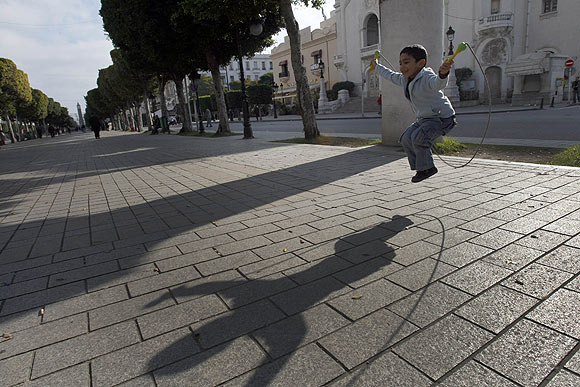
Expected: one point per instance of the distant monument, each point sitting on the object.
(80, 113)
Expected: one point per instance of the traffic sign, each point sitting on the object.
(569, 63)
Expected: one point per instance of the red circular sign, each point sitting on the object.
(569, 63)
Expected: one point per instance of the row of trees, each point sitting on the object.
(160, 41)
(21, 103)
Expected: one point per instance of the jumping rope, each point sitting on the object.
(460, 48)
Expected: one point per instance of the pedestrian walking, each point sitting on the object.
(51, 130)
(208, 118)
(422, 87)
(380, 102)
(95, 124)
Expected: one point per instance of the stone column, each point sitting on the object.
(452, 91)
(426, 17)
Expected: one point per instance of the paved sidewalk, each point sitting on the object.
(161, 261)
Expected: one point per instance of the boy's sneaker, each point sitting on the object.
(422, 175)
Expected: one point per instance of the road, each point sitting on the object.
(550, 124)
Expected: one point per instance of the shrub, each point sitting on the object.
(234, 99)
(259, 94)
(332, 95)
(569, 157)
(287, 109)
(462, 74)
(346, 85)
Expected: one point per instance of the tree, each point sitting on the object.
(145, 30)
(302, 89)
(139, 82)
(37, 109)
(267, 79)
(222, 28)
(260, 94)
(14, 91)
(205, 85)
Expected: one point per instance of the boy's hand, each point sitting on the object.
(445, 68)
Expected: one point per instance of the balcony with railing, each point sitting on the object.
(368, 51)
(498, 20)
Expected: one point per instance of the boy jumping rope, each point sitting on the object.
(435, 115)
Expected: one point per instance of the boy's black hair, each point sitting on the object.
(417, 51)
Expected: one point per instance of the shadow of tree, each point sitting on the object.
(262, 321)
(223, 197)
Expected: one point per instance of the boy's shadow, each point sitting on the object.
(217, 334)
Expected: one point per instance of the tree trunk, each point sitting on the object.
(18, 128)
(186, 125)
(12, 136)
(302, 90)
(223, 126)
(162, 83)
(147, 107)
(119, 123)
(126, 120)
(139, 116)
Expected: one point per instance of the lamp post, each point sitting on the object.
(256, 29)
(323, 106)
(275, 89)
(452, 91)
(450, 36)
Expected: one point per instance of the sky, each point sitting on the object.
(61, 44)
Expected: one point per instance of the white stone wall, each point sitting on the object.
(351, 17)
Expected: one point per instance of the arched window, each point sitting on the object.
(372, 31)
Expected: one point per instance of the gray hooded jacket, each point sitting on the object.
(427, 99)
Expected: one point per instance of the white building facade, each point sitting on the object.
(522, 45)
(254, 68)
(358, 37)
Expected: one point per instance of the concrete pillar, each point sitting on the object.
(404, 22)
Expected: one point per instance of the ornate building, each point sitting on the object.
(318, 53)
(522, 45)
(358, 38)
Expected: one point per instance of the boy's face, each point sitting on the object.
(409, 66)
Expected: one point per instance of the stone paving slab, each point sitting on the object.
(141, 260)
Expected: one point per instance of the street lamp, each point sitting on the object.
(450, 35)
(275, 89)
(321, 67)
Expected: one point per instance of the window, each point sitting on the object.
(495, 7)
(255, 65)
(550, 5)
(263, 65)
(247, 65)
(256, 77)
(271, 66)
(372, 31)
(231, 78)
(284, 67)
(249, 77)
(231, 67)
